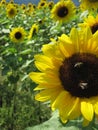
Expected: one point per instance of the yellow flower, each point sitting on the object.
(23, 6)
(91, 22)
(33, 30)
(34, 6)
(11, 1)
(89, 4)
(3, 2)
(30, 5)
(68, 75)
(63, 11)
(17, 34)
(11, 11)
(42, 4)
(50, 4)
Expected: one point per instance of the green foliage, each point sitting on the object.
(54, 123)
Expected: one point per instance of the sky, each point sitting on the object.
(36, 1)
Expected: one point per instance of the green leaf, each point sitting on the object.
(5, 70)
(26, 52)
(54, 124)
(27, 63)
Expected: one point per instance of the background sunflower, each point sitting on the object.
(17, 34)
(33, 31)
(11, 10)
(63, 11)
(89, 4)
(92, 22)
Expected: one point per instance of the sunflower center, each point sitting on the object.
(42, 4)
(12, 12)
(62, 12)
(79, 75)
(93, 1)
(94, 28)
(18, 35)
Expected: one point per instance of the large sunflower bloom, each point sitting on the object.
(63, 11)
(33, 30)
(11, 11)
(91, 22)
(89, 4)
(68, 75)
(17, 34)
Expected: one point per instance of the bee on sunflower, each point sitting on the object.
(89, 4)
(63, 11)
(17, 34)
(68, 75)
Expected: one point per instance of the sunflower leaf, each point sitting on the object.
(54, 124)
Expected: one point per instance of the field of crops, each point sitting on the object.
(49, 47)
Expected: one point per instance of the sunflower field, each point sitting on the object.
(48, 53)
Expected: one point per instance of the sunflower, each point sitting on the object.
(33, 31)
(30, 8)
(17, 34)
(89, 4)
(92, 22)
(34, 6)
(23, 6)
(68, 75)
(42, 4)
(63, 11)
(11, 1)
(29, 5)
(11, 11)
(50, 4)
(3, 2)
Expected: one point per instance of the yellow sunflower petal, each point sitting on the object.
(47, 86)
(45, 79)
(61, 98)
(69, 110)
(43, 62)
(47, 94)
(86, 42)
(75, 39)
(48, 50)
(87, 110)
(87, 35)
(36, 76)
(96, 108)
(75, 111)
(66, 46)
